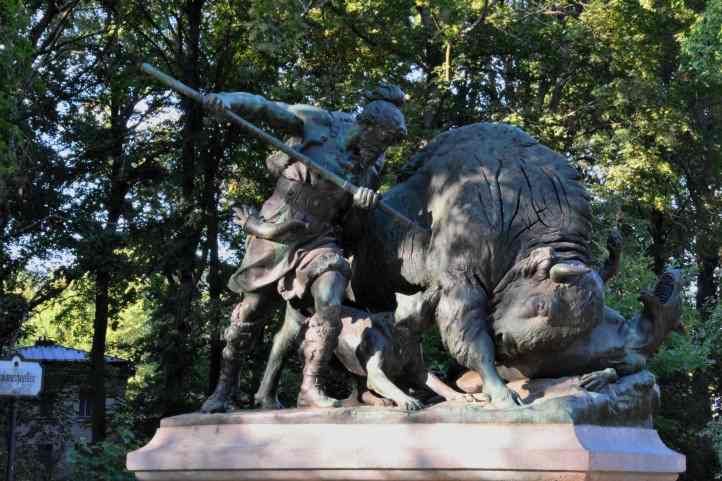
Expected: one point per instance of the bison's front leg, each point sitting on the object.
(462, 319)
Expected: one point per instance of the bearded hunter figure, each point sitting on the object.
(295, 246)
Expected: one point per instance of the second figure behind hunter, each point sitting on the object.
(294, 250)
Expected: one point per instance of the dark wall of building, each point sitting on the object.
(49, 425)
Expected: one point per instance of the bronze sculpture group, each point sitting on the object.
(499, 261)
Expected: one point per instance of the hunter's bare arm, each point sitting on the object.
(248, 218)
(276, 114)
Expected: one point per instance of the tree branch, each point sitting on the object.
(353, 26)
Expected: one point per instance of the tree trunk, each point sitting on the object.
(215, 286)
(104, 264)
(214, 311)
(658, 249)
(433, 58)
(707, 283)
(704, 188)
(178, 359)
(103, 280)
(97, 355)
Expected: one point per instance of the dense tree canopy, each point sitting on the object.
(115, 233)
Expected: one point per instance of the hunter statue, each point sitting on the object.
(486, 237)
(295, 248)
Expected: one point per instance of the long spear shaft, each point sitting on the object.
(236, 119)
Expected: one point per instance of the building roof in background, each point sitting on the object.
(48, 351)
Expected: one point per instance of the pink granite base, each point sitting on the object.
(243, 450)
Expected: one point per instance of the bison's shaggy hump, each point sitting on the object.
(495, 194)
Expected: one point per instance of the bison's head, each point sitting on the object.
(545, 303)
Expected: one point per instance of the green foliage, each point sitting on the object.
(695, 351)
(714, 432)
(634, 276)
(68, 320)
(14, 67)
(106, 460)
(702, 46)
(105, 170)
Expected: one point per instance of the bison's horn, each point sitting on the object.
(564, 271)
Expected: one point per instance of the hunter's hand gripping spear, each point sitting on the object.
(236, 119)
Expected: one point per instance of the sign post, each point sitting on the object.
(10, 468)
(18, 378)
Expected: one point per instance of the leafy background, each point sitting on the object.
(115, 194)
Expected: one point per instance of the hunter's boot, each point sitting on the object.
(239, 338)
(318, 347)
(220, 400)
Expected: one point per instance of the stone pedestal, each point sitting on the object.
(369, 444)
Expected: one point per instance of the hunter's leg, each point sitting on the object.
(267, 395)
(321, 338)
(240, 337)
(329, 290)
(462, 319)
